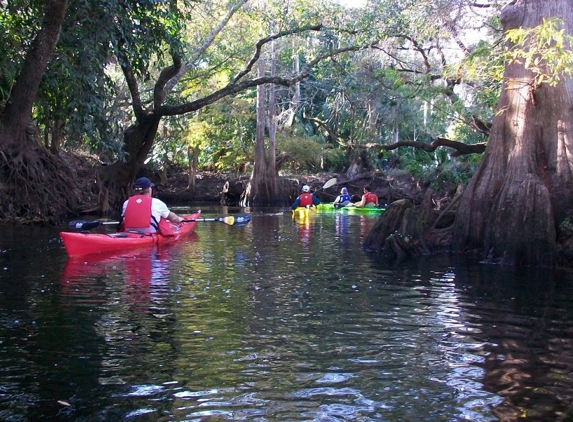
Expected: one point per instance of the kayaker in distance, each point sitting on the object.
(369, 199)
(143, 213)
(343, 199)
(305, 199)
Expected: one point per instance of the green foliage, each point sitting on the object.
(334, 160)
(566, 228)
(460, 130)
(370, 104)
(76, 90)
(482, 68)
(419, 163)
(438, 168)
(544, 50)
(18, 23)
(222, 132)
(360, 97)
(303, 154)
(453, 173)
(78, 97)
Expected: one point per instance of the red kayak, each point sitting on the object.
(83, 243)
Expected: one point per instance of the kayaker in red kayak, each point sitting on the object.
(146, 214)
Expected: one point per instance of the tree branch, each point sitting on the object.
(166, 75)
(131, 84)
(266, 40)
(324, 125)
(233, 87)
(203, 47)
(460, 147)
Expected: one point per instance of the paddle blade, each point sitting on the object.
(237, 220)
(84, 224)
(330, 183)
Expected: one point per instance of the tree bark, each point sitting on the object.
(260, 167)
(263, 185)
(193, 158)
(17, 114)
(36, 185)
(272, 151)
(523, 188)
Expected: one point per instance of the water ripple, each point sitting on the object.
(278, 321)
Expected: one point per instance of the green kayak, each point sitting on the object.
(329, 208)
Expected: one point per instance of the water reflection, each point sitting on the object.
(527, 339)
(341, 222)
(262, 323)
(144, 273)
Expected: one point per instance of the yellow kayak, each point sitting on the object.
(303, 212)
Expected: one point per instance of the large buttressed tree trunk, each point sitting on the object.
(523, 188)
(34, 184)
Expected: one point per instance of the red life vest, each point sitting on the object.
(305, 199)
(138, 212)
(370, 198)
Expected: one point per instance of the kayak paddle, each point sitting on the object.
(231, 220)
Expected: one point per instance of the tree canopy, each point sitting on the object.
(422, 75)
(156, 83)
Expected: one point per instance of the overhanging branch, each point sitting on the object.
(233, 87)
(460, 147)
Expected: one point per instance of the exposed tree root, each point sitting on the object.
(454, 201)
(36, 186)
(405, 231)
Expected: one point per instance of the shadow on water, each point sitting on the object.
(527, 326)
(282, 319)
(521, 324)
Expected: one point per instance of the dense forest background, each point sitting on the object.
(93, 94)
(380, 74)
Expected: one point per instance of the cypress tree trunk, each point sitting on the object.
(523, 188)
(263, 188)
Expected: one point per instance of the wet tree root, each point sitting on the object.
(404, 232)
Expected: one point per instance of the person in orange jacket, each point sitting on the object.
(142, 212)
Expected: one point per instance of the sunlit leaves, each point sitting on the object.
(303, 154)
(482, 71)
(223, 133)
(544, 50)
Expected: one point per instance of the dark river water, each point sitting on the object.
(279, 320)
